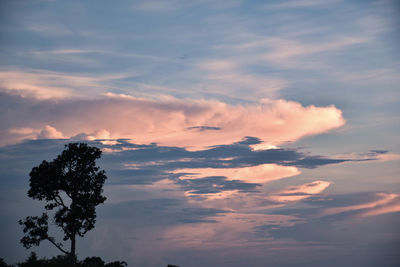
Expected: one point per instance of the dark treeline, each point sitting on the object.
(63, 261)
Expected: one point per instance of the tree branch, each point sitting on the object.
(51, 239)
(59, 201)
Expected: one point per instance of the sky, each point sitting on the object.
(234, 133)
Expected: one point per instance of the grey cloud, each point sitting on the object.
(317, 204)
(216, 184)
(359, 244)
(311, 162)
(159, 212)
(204, 128)
(151, 162)
(356, 242)
(342, 199)
(136, 177)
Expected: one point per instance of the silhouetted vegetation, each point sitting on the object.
(3, 263)
(63, 261)
(72, 185)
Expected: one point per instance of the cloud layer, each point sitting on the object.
(216, 198)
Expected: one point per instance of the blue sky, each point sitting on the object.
(232, 131)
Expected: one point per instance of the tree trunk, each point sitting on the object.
(72, 252)
(73, 234)
(73, 245)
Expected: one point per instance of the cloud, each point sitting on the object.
(223, 75)
(393, 207)
(348, 217)
(301, 4)
(232, 72)
(230, 230)
(378, 76)
(173, 5)
(288, 52)
(158, 6)
(222, 173)
(47, 132)
(43, 84)
(169, 211)
(218, 175)
(283, 51)
(22, 131)
(228, 183)
(28, 84)
(204, 128)
(344, 207)
(50, 133)
(100, 134)
(386, 203)
(261, 86)
(218, 65)
(81, 56)
(50, 30)
(375, 155)
(255, 174)
(169, 121)
(204, 212)
(300, 192)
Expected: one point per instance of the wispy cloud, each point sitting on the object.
(302, 4)
(172, 5)
(386, 203)
(376, 155)
(290, 53)
(158, 6)
(231, 230)
(51, 30)
(286, 52)
(81, 52)
(300, 192)
(377, 76)
(230, 76)
(44, 84)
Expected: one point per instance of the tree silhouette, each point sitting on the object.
(71, 185)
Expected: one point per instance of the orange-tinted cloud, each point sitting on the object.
(387, 203)
(296, 193)
(47, 132)
(255, 174)
(50, 132)
(180, 122)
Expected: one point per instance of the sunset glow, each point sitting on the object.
(233, 133)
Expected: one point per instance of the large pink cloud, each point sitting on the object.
(174, 122)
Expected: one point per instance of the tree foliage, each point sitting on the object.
(3, 263)
(72, 186)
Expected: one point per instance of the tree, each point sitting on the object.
(72, 186)
(4, 264)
